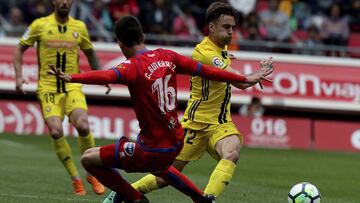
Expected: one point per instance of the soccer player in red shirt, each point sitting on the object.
(151, 78)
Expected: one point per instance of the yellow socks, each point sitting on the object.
(146, 184)
(86, 142)
(220, 177)
(63, 151)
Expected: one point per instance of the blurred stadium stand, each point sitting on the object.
(181, 23)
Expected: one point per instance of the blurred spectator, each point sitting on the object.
(4, 7)
(320, 6)
(300, 15)
(355, 16)
(253, 34)
(2, 32)
(120, 8)
(255, 108)
(39, 8)
(286, 7)
(185, 25)
(335, 28)
(101, 13)
(243, 6)
(274, 24)
(313, 40)
(157, 17)
(16, 20)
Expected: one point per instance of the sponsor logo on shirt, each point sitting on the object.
(76, 35)
(129, 148)
(61, 44)
(217, 62)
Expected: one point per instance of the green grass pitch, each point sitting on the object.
(30, 172)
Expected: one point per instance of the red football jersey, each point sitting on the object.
(151, 79)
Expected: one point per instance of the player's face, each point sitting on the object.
(62, 7)
(223, 29)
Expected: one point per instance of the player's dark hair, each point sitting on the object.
(217, 9)
(128, 30)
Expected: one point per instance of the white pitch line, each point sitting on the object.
(11, 143)
(48, 197)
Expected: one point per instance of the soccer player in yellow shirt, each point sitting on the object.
(58, 39)
(207, 120)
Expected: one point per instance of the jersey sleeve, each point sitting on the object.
(189, 66)
(31, 35)
(85, 42)
(126, 73)
(210, 57)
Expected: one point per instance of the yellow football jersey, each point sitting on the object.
(57, 44)
(209, 100)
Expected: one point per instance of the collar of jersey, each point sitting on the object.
(142, 51)
(212, 44)
(53, 16)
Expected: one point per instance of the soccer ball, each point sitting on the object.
(304, 193)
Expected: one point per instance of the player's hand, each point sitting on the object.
(108, 89)
(255, 78)
(59, 73)
(266, 68)
(19, 85)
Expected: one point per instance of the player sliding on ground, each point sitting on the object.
(151, 78)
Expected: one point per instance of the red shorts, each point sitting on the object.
(132, 157)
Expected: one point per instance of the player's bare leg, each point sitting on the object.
(64, 153)
(179, 181)
(79, 119)
(228, 150)
(108, 176)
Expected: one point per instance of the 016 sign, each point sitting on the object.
(270, 127)
(275, 132)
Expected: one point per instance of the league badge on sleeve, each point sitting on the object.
(120, 66)
(129, 148)
(217, 62)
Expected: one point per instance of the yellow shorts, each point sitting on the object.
(200, 137)
(59, 104)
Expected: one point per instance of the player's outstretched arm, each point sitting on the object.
(191, 67)
(100, 77)
(266, 68)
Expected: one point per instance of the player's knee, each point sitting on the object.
(232, 152)
(56, 133)
(231, 155)
(83, 128)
